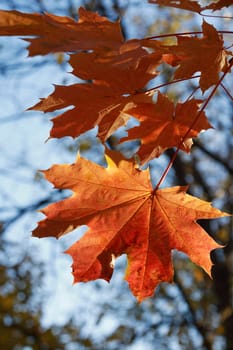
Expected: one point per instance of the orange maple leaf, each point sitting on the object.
(125, 216)
(206, 55)
(55, 33)
(164, 125)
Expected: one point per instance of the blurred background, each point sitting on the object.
(39, 306)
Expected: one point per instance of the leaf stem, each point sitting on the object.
(227, 92)
(190, 128)
(171, 82)
(215, 16)
(183, 33)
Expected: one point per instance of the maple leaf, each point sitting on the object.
(116, 78)
(205, 54)
(107, 109)
(181, 4)
(163, 125)
(125, 216)
(55, 33)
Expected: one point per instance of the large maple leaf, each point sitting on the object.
(165, 125)
(206, 55)
(126, 216)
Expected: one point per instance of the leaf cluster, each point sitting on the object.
(124, 213)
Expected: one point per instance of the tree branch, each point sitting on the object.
(214, 156)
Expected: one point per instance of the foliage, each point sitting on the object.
(118, 72)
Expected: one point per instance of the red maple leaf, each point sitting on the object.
(206, 55)
(125, 216)
(93, 105)
(116, 76)
(164, 125)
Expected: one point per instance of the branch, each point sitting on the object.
(30, 208)
(214, 156)
(202, 331)
(183, 33)
(170, 83)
